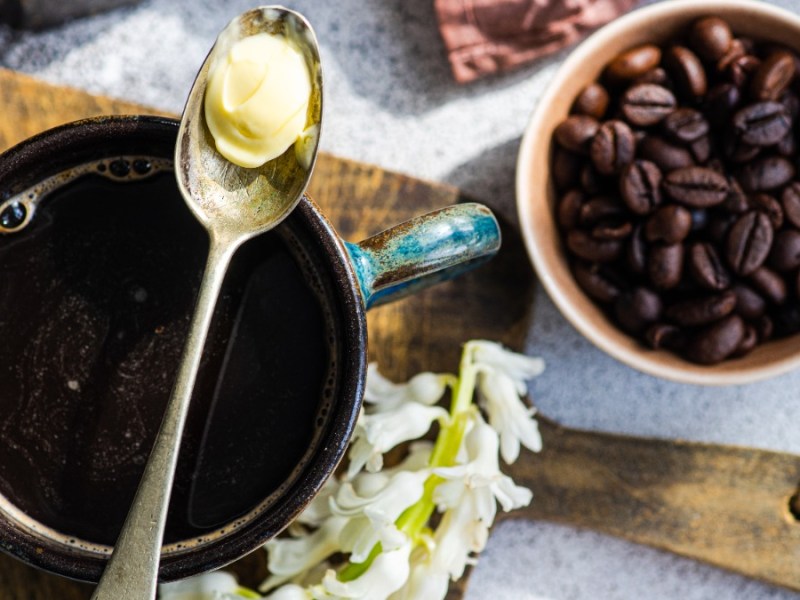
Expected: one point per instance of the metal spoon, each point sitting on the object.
(233, 204)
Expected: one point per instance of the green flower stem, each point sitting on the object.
(246, 593)
(414, 519)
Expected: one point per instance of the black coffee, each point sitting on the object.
(95, 302)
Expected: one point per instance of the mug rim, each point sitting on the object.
(95, 138)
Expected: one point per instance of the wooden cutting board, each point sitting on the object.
(727, 506)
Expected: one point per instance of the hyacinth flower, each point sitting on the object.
(379, 518)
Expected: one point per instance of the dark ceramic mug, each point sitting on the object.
(100, 262)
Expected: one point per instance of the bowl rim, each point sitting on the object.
(640, 358)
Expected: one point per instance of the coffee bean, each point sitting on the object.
(716, 342)
(719, 225)
(665, 265)
(566, 168)
(592, 101)
(594, 282)
(701, 149)
(785, 252)
(640, 186)
(740, 70)
(721, 101)
(576, 133)
(770, 284)
(586, 247)
(646, 104)
(669, 224)
(635, 309)
(765, 328)
(685, 125)
(665, 155)
(773, 76)
(598, 209)
(735, 51)
(569, 209)
(686, 71)
(707, 268)
(591, 181)
(657, 76)
(749, 304)
(634, 62)
(797, 284)
(612, 229)
(748, 343)
(636, 251)
(663, 335)
(710, 37)
(770, 207)
(749, 242)
(762, 123)
(787, 146)
(790, 201)
(791, 102)
(702, 310)
(736, 150)
(696, 186)
(735, 201)
(764, 174)
(613, 147)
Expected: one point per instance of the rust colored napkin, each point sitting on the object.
(488, 36)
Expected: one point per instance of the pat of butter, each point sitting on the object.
(257, 99)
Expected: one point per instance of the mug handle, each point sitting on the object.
(424, 251)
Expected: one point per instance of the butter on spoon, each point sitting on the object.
(233, 203)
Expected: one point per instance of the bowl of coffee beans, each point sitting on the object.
(658, 189)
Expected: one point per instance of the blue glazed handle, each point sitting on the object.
(423, 251)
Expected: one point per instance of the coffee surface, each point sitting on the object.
(95, 304)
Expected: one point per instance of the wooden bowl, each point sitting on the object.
(536, 194)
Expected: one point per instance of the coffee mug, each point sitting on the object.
(100, 262)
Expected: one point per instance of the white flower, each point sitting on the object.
(424, 388)
(319, 508)
(377, 434)
(387, 573)
(291, 557)
(373, 502)
(502, 376)
(425, 582)
(289, 592)
(209, 586)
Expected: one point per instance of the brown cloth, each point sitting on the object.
(488, 36)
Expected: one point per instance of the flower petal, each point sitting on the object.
(387, 573)
(383, 394)
(289, 592)
(208, 586)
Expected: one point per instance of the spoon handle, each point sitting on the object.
(132, 571)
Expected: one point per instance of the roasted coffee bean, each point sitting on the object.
(701, 149)
(635, 309)
(592, 101)
(665, 155)
(735, 51)
(646, 104)
(770, 284)
(719, 225)
(576, 133)
(764, 174)
(664, 335)
(598, 209)
(787, 146)
(658, 76)
(749, 341)
(685, 125)
(773, 76)
(785, 252)
(686, 71)
(566, 168)
(721, 101)
(749, 304)
(770, 207)
(640, 186)
(735, 201)
(594, 282)
(716, 342)
(790, 201)
(736, 150)
(710, 37)
(706, 267)
(665, 265)
(765, 328)
(741, 69)
(613, 147)
(586, 247)
(797, 284)
(669, 224)
(612, 229)
(696, 186)
(591, 181)
(749, 242)
(569, 209)
(702, 310)
(636, 251)
(791, 102)
(762, 123)
(634, 62)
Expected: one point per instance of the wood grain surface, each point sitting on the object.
(723, 505)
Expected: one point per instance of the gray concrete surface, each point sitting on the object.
(391, 101)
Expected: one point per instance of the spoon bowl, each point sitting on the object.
(234, 204)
